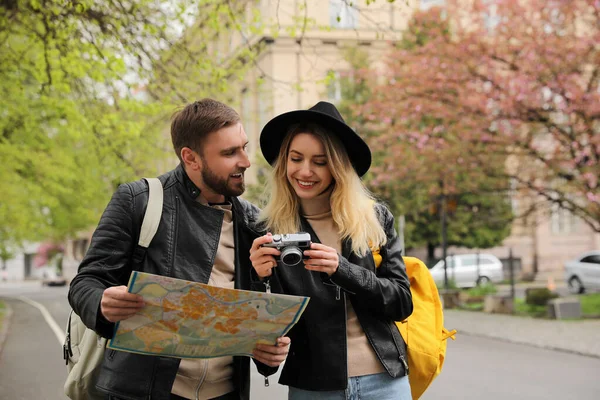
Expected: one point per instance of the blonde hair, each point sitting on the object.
(352, 205)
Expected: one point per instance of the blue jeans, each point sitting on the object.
(369, 387)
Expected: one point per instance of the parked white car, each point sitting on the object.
(464, 271)
(583, 273)
(51, 277)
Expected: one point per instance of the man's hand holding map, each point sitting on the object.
(186, 319)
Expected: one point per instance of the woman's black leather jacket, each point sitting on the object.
(379, 296)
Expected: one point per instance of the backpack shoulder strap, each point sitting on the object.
(153, 212)
(150, 222)
(148, 230)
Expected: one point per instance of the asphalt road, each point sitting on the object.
(31, 361)
(478, 368)
(31, 364)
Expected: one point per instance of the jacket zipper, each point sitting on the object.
(344, 300)
(267, 283)
(175, 219)
(405, 364)
(400, 357)
(372, 344)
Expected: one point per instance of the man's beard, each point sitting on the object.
(220, 185)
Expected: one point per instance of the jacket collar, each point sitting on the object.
(190, 188)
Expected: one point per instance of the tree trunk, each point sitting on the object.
(430, 253)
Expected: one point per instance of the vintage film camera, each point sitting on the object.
(292, 246)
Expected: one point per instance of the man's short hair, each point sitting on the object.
(191, 125)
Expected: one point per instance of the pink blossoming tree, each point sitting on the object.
(504, 89)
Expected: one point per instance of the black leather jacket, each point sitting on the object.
(318, 354)
(184, 247)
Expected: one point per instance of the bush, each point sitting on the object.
(483, 290)
(451, 285)
(521, 308)
(539, 296)
(472, 306)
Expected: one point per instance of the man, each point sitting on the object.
(204, 235)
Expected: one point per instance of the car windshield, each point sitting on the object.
(440, 264)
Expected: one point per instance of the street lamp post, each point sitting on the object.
(444, 234)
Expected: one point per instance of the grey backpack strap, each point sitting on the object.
(150, 222)
(153, 212)
(91, 347)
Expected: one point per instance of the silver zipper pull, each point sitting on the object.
(266, 381)
(405, 364)
(338, 294)
(268, 287)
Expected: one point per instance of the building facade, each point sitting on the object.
(294, 71)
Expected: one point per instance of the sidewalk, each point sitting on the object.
(580, 337)
(4, 326)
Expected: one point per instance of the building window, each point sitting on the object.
(514, 196)
(247, 119)
(426, 4)
(334, 87)
(343, 14)
(563, 221)
(80, 247)
(264, 108)
(491, 19)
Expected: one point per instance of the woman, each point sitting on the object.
(346, 345)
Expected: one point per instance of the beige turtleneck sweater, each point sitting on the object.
(362, 359)
(210, 378)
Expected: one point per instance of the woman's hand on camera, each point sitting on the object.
(263, 258)
(322, 259)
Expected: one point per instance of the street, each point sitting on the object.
(31, 359)
(476, 368)
(479, 368)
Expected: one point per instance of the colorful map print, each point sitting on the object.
(186, 319)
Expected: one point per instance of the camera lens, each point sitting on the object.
(291, 255)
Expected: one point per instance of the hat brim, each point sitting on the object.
(274, 132)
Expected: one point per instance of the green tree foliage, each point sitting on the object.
(86, 91)
(258, 193)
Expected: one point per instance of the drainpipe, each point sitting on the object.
(298, 75)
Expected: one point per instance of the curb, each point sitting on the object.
(6, 324)
(525, 343)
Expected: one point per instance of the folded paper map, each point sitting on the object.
(186, 319)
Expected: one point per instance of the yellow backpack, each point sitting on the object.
(423, 331)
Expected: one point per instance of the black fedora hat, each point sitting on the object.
(326, 115)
